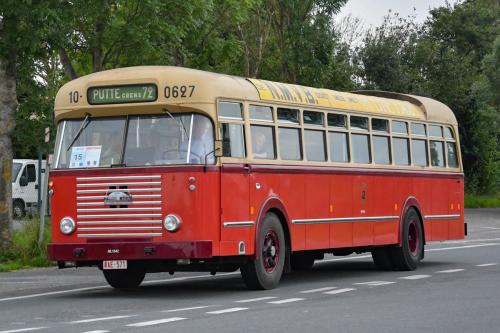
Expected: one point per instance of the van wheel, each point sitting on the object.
(266, 270)
(407, 256)
(124, 278)
(302, 262)
(18, 210)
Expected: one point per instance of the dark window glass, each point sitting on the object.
(263, 142)
(419, 152)
(31, 172)
(401, 151)
(315, 145)
(381, 153)
(437, 153)
(16, 167)
(417, 129)
(337, 120)
(399, 127)
(230, 110)
(452, 155)
(339, 147)
(359, 123)
(448, 133)
(380, 125)
(233, 140)
(290, 144)
(313, 118)
(288, 116)
(259, 112)
(360, 148)
(435, 131)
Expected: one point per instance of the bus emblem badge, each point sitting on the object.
(117, 198)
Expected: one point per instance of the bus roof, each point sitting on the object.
(72, 102)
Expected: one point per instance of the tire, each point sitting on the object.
(382, 258)
(302, 262)
(265, 271)
(18, 209)
(124, 279)
(407, 256)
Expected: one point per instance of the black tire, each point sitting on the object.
(407, 256)
(124, 278)
(382, 258)
(18, 209)
(302, 261)
(266, 270)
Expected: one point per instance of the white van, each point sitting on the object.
(25, 186)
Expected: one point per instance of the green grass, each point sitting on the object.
(24, 251)
(482, 201)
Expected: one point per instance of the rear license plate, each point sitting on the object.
(114, 264)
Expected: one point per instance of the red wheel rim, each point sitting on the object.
(271, 251)
(413, 241)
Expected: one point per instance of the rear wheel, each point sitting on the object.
(266, 270)
(408, 255)
(124, 278)
(302, 262)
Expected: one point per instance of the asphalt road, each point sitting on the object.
(456, 289)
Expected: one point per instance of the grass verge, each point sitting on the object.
(24, 251)
(482, 201)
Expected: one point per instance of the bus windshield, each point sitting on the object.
(16, 167)
(136, 141)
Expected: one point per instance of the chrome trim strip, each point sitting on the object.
(238, 224)
(117, 184)
(148, 234)
(96, 216)
(346, 219)
(101, 197)
(101, 203)
(118, 228)
(119, 222)
(60, 145)
(116, 210)
(190, 138)
(442, 217)
(107, 190)
(82, 179)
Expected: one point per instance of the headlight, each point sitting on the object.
(172, 222)
(67, 225)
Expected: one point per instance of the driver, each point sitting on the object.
(202, 143)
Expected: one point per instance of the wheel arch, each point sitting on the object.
(411, 202)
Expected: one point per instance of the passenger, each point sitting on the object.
(259, 145)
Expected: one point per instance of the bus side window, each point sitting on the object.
(263, 146)
(419, 152)
(30, 168)
(233, 140)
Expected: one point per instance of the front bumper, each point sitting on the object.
(130, 251)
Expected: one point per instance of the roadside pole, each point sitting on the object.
(43, 189)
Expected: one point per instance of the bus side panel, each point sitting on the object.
(440, 205)
(362, 231)
(383, 201)
(341, 194)
(317, 194)
(456, 226)
(422, 193)
(63, 203)
(291, 193)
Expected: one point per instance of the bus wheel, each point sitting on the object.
(124, 278)
(265, 271)
(408, 256)
(382, 258)
(18, 210)
(302, 262)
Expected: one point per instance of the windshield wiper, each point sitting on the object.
(179, 121)
(85, 123)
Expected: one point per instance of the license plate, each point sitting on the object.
(114, 264)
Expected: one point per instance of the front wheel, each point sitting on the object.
(265, 271)
(408, 255)
(124, 278)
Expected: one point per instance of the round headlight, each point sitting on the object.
(67, 225)
(172, 222)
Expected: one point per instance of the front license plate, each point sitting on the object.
(114, 264)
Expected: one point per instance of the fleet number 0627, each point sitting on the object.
(178, 91)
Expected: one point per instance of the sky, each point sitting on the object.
(372, 12)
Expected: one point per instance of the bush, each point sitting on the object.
(482, 201)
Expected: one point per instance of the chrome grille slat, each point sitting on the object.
(118, 228)
(130, 190)
(117, 184)
(131, 203)
(101, 197)
(145, 234)
(117, 210)
(83, 179)
(97, 216)
(119, 222)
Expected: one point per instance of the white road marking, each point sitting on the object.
(451, 270)
(339, 291)
(227, 310)
(461, 247)
(344, 259)
(97, 319)
(375, 283)
(24, 330)
(187, 309)
(155, 322)
(415, 277)
(488, 264)
(468, 241)
(287, 300)
(97, 331)
(317, 290)
(255, 299)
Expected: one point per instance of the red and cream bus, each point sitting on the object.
(173, 169)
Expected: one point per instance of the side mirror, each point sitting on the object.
(23, 181)
(218, 152)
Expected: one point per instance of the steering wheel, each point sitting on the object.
(164, 154)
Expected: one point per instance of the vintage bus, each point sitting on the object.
(167, 169)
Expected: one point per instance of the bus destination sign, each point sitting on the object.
(137, 93)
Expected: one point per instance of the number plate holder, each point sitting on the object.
(114, 264)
